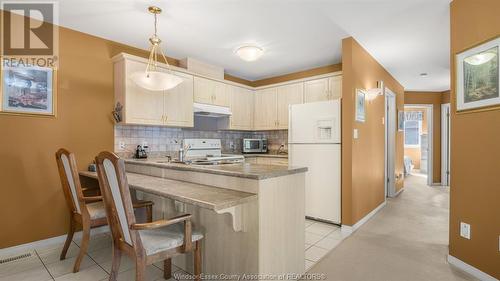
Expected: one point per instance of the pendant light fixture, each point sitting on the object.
(152, 79)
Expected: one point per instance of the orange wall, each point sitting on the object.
(475, 156)
(436, 99)
(363, 158)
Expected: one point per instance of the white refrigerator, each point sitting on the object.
(314, 140)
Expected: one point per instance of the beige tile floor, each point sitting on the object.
(44, 264)
(321, 238)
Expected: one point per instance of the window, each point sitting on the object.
(413, 129)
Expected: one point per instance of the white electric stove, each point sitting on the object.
(208, 152)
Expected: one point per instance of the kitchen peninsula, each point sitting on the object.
(252, 215)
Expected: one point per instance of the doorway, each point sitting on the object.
(445, 144)
(418, 140)
(390, 143)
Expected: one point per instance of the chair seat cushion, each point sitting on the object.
(96, 210)
(165, 238)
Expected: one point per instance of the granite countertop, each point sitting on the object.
(242, 170)
(204, 196)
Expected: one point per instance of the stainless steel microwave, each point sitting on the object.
(254, 145)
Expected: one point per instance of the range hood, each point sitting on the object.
(208, 110)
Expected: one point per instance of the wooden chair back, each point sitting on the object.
(70, 180)
(117, 199)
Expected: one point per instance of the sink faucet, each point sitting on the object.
(183, 152)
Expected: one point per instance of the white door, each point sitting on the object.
(323, 178)
(317, 122)
(390, 145)
(445, 144)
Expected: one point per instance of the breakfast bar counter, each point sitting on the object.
(252, 215)
(203, 196)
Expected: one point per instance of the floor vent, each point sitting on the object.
(15, 258)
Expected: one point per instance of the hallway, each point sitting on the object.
(406, 241)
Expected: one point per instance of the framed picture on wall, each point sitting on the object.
(28, 91)
(401, 120)
(478, 77)
(360, 106)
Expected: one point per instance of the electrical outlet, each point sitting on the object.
(465, 230)
(121, 145)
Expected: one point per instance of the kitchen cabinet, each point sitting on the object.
(252, 160)
(288, 95)
(323, 89)
(266, 109)
(242, 108)
(209, 91)
(271, 105)
(270, 161)
(335, 84)
(178, 103)
(143, 107)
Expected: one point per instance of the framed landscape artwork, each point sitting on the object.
(360, 106)
(478, 77)
(28, 91)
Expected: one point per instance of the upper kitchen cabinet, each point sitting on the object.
(242, 108)
(286, 96)
(323, 89)
(209, 91)
(178, 103)
(143, 107)
(265, 117)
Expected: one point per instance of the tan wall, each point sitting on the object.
(475, 157)
(434, 98)
(363, 158)
(415, 152)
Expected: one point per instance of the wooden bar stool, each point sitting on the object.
(87, 212)
(146, 243)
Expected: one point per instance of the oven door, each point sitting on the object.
(252, 146)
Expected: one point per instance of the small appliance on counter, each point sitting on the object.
(254, 145)
(140, 152)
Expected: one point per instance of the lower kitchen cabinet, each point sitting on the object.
(267, 160)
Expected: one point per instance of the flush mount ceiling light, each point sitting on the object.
(249, 52)
(152, 79)
(479, 59)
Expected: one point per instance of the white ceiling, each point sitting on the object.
(407, 37)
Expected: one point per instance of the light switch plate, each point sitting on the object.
(356, 136)
(465, 230)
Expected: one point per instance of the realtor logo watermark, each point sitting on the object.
(29, 34)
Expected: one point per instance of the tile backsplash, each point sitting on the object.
(167, 141)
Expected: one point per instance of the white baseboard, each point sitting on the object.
(399, 192)
(49, 241)
(470, 269)
(348, 230)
